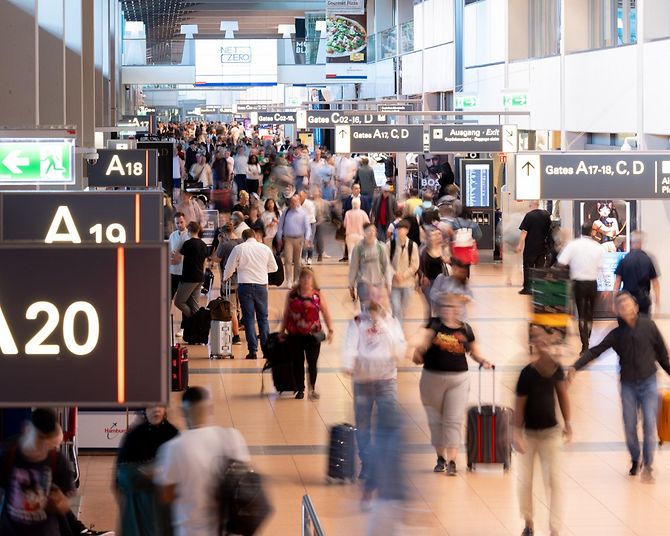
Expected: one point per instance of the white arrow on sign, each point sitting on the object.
(13, 161)
(343, 139)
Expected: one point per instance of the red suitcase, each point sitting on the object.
(178, 363)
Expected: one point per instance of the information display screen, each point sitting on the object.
(84, 326)
(225, 62)
(476, 182)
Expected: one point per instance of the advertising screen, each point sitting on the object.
(235, 62)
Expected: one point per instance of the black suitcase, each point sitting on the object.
(196, 327)
(278, 360)
(207, 282)
(342, 454)
(489, 432)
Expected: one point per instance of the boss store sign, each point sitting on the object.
(81, 217)
(135, 168)
(75, 330)
(331, 119)
(273, 118)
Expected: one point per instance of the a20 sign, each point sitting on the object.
(135, 168)
(76, 330)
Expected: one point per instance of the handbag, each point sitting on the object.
(464, 247)
(319, 336)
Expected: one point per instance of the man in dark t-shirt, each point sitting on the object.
(534, 241)
(536, 429)
(35, 479)
(638, 274)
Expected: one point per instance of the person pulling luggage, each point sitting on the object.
(445, 383)
(536, 430)
(302, 322)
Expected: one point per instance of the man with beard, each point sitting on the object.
(437, 176)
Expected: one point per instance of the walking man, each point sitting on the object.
(253, 261)
(369, 265)
(383, 211)
(188, 466)
(584, 256)
(176, 241)
(638, 274)
(293, 233)
(404, 257)
(639, 345)
(533, 242)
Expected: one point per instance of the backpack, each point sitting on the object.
(196, 327)
(276, 279)
(242, 500)
(410, 248)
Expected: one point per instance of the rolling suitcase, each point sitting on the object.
(278, 360)
(664, 416)
(221, 339)
(342, 454)
(208, 281)
(196, 327)
(178, 363)
(489, 431)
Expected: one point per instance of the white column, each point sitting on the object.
(51, 64)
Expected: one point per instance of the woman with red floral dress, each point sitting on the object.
(302, 322)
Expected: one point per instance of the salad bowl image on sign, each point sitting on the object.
(346, 41)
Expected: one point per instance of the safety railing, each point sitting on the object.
(311, 526)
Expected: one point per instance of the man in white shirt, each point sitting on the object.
(310, 210)
(176, 241)
(253, 261)
(239, 225)
(188, 467)
(584, 256)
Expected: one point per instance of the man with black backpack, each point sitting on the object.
(404, 257)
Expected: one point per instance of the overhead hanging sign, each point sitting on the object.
(515, 99)
(379, 139)
(465, 138)
(68, 340)
(389, 108)
(465, 102)
(36, 161)
(235, 62)
(250, 107)
(593, 175)
(332, 118)
(136, 168)
(81, 218)
(272, 118)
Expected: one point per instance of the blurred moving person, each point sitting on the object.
(534, 241)
(354, 221)
(293, 233)
(445, 382)
(584, 256)
(536, 430)
(638, 274)
(369, 266)
(639, 345)
(187, 467)
(404, 257)
(374, 343)
(141, 511)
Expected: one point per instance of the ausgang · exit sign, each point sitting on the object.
(28, 161)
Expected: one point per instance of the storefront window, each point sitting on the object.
(544, 22)
(612, 23)
(389, 43)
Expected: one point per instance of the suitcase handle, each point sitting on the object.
(479, 399)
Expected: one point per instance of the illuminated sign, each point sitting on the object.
(75, 328)
(28, 161)
(81, 217)
(131, 167)
(221, 62)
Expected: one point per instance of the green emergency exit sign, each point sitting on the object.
(463, 102)
(36, 161)
(515, 100)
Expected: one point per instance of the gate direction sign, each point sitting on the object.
(36, 161)
(332, 118)
(84, 219)
(67, 340)
(272, 118)
(465, 138)
(136, 168)
(249, 107)
(593, 175)
(379, 139)
(390, 108)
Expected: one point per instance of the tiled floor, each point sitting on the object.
(287, 437)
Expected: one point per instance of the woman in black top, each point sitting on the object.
(194, 252)
(444, 381)
(243, 206)
(142, 513)
(431, 264)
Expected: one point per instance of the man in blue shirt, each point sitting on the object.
(639, 276)
(293, 233)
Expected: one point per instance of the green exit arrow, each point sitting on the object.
(36, 162)
(466, 101)
(515, 100)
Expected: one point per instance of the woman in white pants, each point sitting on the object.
(445, 383)
(354, 220)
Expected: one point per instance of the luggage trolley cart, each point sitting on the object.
(550, 299)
